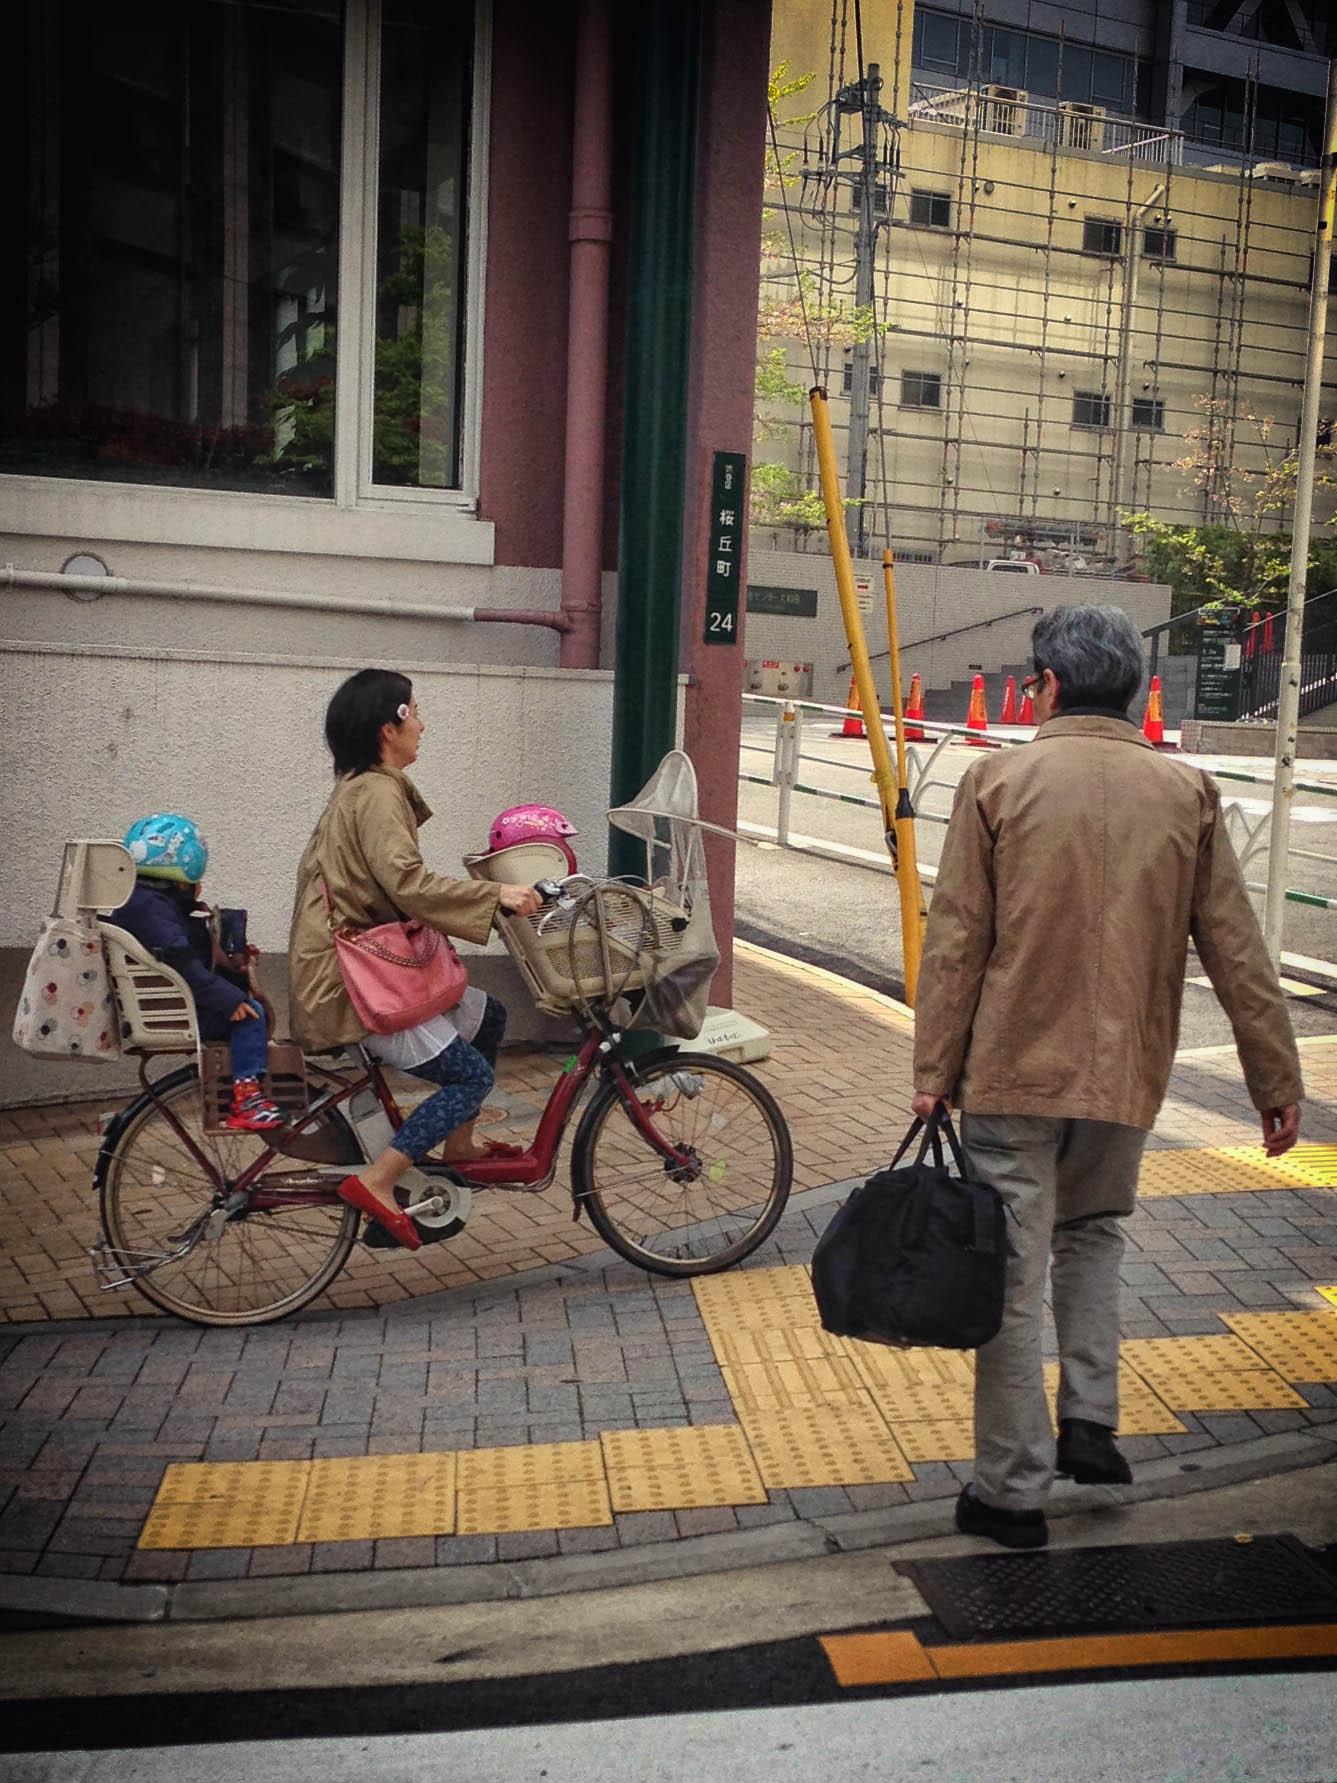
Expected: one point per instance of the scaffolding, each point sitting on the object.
(1067, 308)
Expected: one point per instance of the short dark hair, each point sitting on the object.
(354, 717)
(1096, 653)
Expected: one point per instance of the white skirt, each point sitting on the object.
(414, 1046)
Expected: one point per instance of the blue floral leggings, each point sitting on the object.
(464, 1072)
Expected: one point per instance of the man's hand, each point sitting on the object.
(520, 900)
(1281, 1129)
(245, 1012)
(924, 1102)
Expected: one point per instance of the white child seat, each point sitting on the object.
(156, 1009)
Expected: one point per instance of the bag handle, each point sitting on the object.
(938, 1126)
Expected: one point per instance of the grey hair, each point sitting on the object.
(1095, 653)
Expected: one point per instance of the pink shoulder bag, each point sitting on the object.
(397, 974)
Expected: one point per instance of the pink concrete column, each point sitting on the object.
(591, 235)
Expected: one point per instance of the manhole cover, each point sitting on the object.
(1162, 1585)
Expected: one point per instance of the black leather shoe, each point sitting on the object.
(1087, 1452)
(1014, 1529)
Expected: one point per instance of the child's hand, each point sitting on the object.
(245, 1012)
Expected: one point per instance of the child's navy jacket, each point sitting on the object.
(159, 916)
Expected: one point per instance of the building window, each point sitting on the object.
(420, 238)
(879, 195)
(931, 210)
(180, 200)
(1149, 414)
(178, 186)
(847, 375)
(1100, 236)
(921, 390)
(1159, 244)
(1090, 408)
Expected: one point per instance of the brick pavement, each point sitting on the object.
(549, 1349)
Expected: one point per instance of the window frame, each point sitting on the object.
(360, 518)
(1104, 402)
(1155, 408)
(932, 198)
(1107, 224)
(1168, 253)
(934, 407)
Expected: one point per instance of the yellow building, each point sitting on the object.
(1067, 301)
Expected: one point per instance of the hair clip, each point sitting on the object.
(401, 712)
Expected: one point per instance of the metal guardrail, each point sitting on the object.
(956, 632)
(923, 778)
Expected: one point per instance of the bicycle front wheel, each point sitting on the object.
(707, 1212)
(165, 1222)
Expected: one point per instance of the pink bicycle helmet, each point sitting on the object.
(533, 823)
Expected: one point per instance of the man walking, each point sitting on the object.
(1073, 875)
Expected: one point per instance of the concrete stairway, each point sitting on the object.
(951, 704)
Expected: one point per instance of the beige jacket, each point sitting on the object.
(365, 848)
(1073, 874)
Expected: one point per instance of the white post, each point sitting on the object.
(786, 766)
(1288, 697)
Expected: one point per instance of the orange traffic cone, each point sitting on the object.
(853, 725)
(977, 719)
(1009, 712)
(1268, 645)
(1027, 713)
(1153, 723)
(1251, 633)
(914, 712)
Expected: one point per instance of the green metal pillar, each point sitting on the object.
(666, 88)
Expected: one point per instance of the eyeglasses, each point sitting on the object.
(1033, 683)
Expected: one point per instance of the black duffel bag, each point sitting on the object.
(917, 1255)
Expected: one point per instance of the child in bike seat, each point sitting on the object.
(164, 914)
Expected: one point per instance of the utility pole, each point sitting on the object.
(1288, 698)
(863, 98)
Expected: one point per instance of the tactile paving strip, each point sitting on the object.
(1236, 1169)
(227, 1504)
(546, 1464)
(532, 1504)
(680, 1469)
(756, 1300)
(935, 1439)
(919, 1386)
(1300, 1345)
(1208, 1374)
(830, 1445)
(371, 1497)
(1141, 1413)
(802, 1381)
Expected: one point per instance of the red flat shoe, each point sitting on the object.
(398, 1224)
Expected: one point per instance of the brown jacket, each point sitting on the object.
(1073, 874)
(365, 848)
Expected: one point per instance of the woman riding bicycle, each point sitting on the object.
(362, 866)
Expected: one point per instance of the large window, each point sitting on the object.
(921, 390)
(174, 169)
(952, 48)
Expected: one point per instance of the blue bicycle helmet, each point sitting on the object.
(166, 846)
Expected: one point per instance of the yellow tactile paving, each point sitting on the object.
(821, 1380)
(680, 1469)
(1141, 1412)
(829, 1445)
(546, 1464)
(372, 1497)
(1300, 1345)
(755, 1346)
(532, 1504)
(227, 1504)
(756, 1300)
(935, 1439)
(920, 1386)
(1208, 1374)
(1328, 1294)
(1236, 1169)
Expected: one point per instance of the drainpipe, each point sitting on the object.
(1123, 410)
(665, 82)
(590, 231)
(93, 587)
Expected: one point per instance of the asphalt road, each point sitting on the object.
(847, 916)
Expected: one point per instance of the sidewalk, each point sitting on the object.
(515, 1410)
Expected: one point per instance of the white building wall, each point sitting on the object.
(96, 735)
(930, 599)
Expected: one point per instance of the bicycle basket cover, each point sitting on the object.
(678, 972)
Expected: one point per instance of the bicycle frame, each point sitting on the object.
(529, 1169)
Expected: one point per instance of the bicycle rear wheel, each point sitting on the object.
(156, 1199)
(709, 1213)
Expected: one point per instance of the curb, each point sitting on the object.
(27, 1602)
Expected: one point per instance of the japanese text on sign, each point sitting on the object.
(724, 548)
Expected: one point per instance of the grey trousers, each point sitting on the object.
(1069, 1183)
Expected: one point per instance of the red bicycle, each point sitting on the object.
(682, 1160)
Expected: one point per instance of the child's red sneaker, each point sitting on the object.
(252, 1111)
